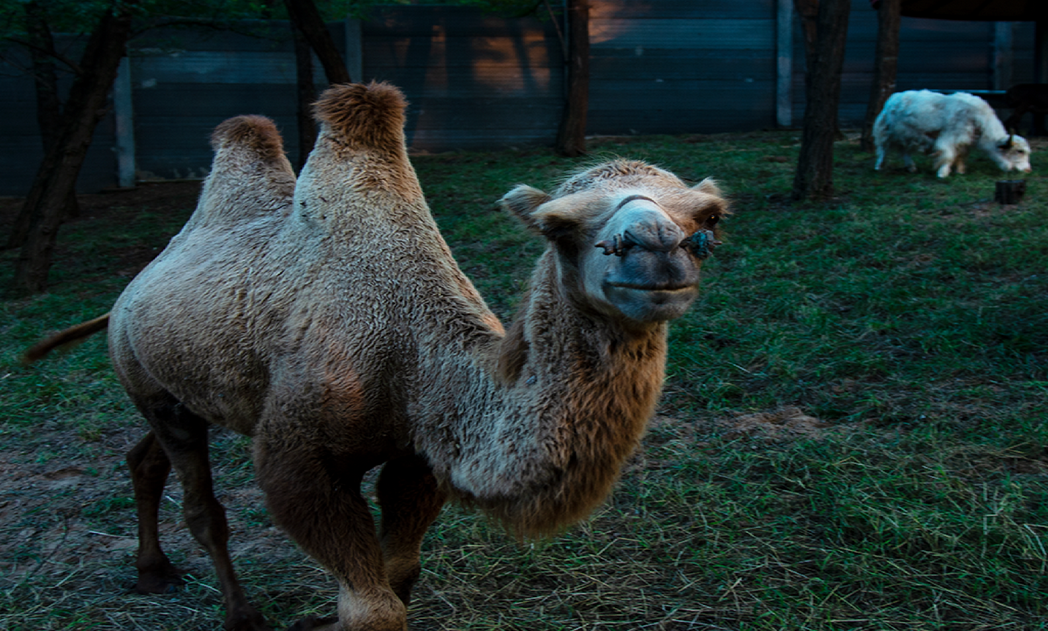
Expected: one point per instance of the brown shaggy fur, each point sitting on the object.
(327, 319)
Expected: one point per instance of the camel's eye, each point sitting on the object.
(711, 222)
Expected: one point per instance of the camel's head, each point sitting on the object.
(630, 237)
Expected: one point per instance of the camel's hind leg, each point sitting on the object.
(411, 500)
(183, 436)
(149, 470)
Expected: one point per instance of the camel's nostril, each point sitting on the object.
(616, 245)
(701, 243)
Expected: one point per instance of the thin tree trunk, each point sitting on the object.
(42, 53)
(307, 95)
(306, 18)
(56, 178)
(571, 136)
(48, 106)
(885, 68)
(814, 177)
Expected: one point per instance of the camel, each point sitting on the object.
(327, 319)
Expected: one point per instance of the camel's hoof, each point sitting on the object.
(313, 623)
(160, 583)
(251, 621)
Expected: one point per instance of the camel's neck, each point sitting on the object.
(541, 444)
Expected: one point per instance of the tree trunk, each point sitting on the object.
(886, 65)
(808, 11)
(48, 106)
(307, 95)
(571, 137)
(814, 177)
(56, 178)
(306, 18)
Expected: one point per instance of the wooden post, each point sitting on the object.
(784, 69)
(123, 112)
(1009, 191)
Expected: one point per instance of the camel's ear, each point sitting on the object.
(538, 211)
(708, 186)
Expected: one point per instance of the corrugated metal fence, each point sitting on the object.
(474, 80)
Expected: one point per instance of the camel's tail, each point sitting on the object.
(72, 335)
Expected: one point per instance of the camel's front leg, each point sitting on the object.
(315, 497)
(411, 500)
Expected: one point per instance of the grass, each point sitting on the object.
(904, 323)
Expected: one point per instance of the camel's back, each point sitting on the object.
(323, 297)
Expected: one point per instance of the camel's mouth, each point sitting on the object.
(647, 303)
(651, 288)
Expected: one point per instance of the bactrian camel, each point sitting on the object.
(328, 320)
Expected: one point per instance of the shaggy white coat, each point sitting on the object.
(946, 126)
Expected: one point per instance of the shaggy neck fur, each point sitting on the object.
(554, 408)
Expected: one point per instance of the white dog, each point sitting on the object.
(946, 126)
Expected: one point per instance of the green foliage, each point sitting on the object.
(81, 16)
(508, 8)
(909, 316)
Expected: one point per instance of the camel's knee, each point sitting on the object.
(373, 610)
(149, 467)
(206, 519)
(403, 573)
(411, 499)
(137, 454)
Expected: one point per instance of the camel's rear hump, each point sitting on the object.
(250, 175)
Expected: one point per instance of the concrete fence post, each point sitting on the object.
(123, 112)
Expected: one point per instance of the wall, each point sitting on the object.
(474, 80)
